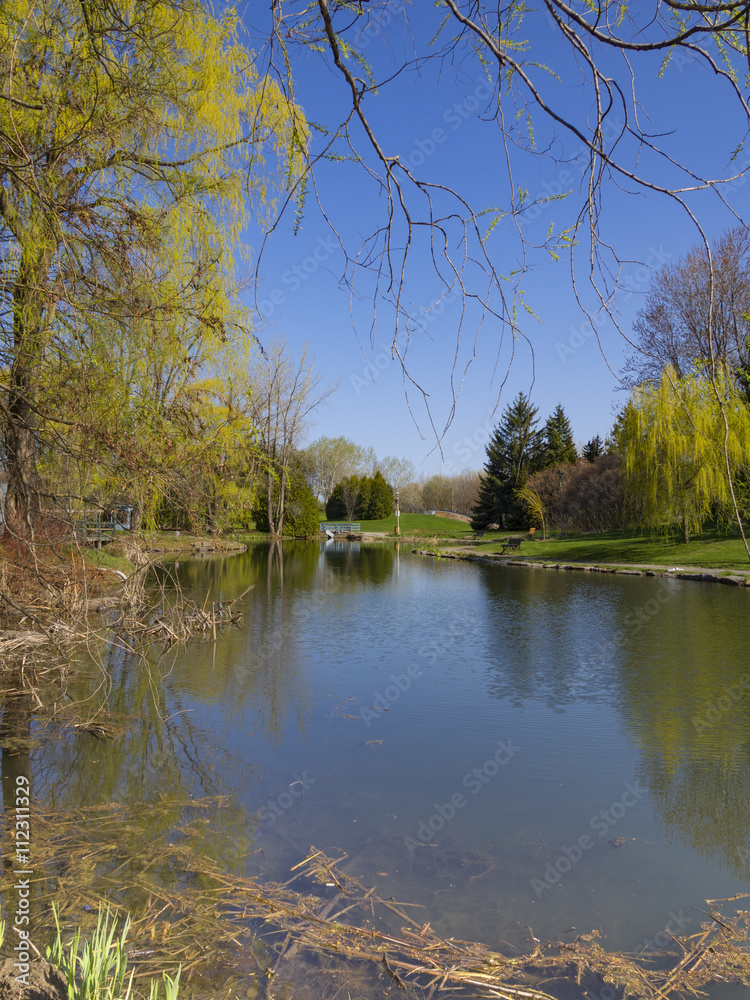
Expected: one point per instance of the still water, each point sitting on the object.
(510, 748)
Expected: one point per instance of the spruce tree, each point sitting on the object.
(513, 454)
(558, 447)
(381, 499)
(363, 503)
(593, 449)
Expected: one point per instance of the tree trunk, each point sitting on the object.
(685, 530)
(272, 526)
(282, 500)
(136, 517)
(29, 301)
(22, 501)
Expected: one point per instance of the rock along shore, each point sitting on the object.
(677, 573)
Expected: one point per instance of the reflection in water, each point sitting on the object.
(686, 702)
(670, 658)
(597, 682)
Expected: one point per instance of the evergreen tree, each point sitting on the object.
(593, 449)
(335, 504)
(615, 441)
(381, 499)
(513, 454)
(363, 502)
(558, 446)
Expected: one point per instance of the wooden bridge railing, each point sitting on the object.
(340, 527)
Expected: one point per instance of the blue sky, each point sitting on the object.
(424, 118)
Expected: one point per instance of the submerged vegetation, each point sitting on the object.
(216, 932)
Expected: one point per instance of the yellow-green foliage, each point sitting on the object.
(673, 438)
(138, 140)
(96, 969)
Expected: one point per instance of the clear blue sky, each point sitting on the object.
(302, 297)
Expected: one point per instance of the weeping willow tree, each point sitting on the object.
(685, 442)
(136, 140)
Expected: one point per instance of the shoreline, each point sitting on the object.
(732, 578)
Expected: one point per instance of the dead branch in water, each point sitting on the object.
(176, 620)
(202, 916)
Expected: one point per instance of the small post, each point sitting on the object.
(398, 526)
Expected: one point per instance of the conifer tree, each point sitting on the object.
(363, 502)
(593, 449)
(381, 499)
(513, 454)
(558, 445)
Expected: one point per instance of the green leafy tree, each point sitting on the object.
(301, 515)
(328, 460)
(397, 472)
(132, 136)
(300, 509)
(675, 444)
(514, 453)
(534, 507)
(558, 446)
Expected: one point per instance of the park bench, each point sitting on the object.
(511, 543)
(478, 534)
(93, 530)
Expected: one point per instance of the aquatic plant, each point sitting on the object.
(97, 969)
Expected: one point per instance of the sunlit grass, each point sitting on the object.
(96, 969)
(714, 549)
(425, 525)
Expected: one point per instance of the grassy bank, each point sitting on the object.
(714, 549)
(420, 526)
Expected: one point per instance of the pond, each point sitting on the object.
(521, 752)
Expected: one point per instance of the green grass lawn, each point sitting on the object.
(106, 560)
(713, 549)
(420, 526)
